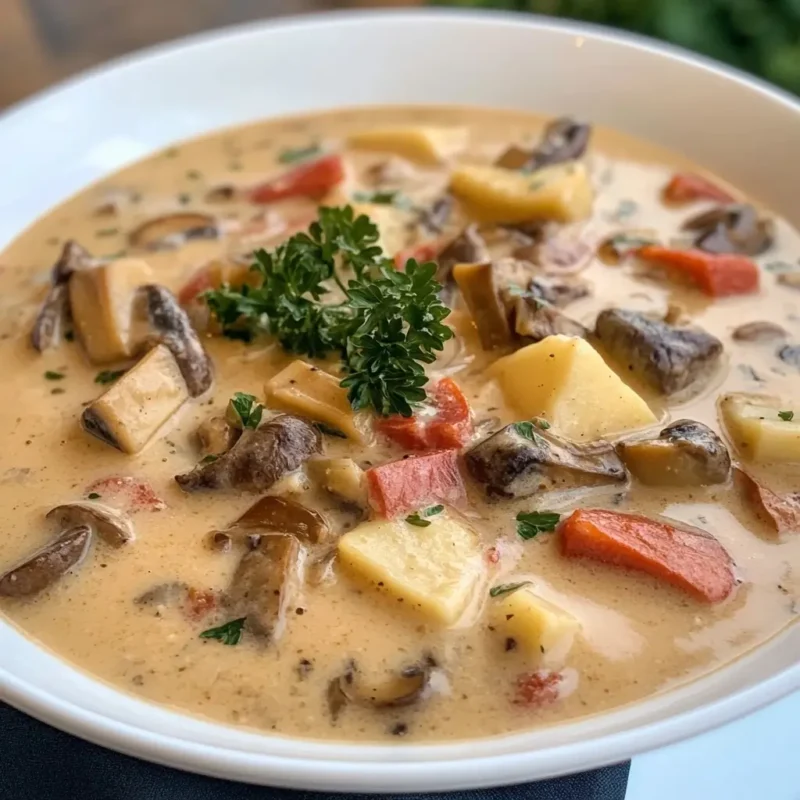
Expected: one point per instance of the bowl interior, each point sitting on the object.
(57, 143)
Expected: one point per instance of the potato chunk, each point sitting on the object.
(130, 413)
(537, 626)
(561, 193)
(101, 300)
(565, 380)
(756, 429)
(435, 569)
(426, 145)
(393, 225)
(311, 392)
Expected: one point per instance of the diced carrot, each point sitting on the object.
(684, 187)
(450, 427)
(780, 512)
(687, 558)
(400, 487)
(716, 274)
(312, 179)
(126, 493)
(537, 689)
(424, 251)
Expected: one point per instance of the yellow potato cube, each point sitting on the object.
(435, 570)
(427, 145)
(756, 429)
(101, 300)
(393, 225)
(565, 380)
(314, 393)
(539, 627)
(562, 193)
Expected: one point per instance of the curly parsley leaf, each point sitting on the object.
(230, 633)
(786, 416)
(507, 588)
(532, 524)
(420, 518)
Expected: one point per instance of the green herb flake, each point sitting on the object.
(625, 210)
(542, 423)
(209, 459)
(193, 175)
(786, 416)
(106, 376)
(384, 198)
(103, 232)
(532, 524)
(229, 634)
(329, 430)
(420, 517)
(184, 198)
(506, 588)
(779, 266)
(534, 186)
(247, 409)
(526, 430)
(93, 496)
(52, 375)
(293, 155)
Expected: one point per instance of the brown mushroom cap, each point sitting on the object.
(173, 230)
(735, 228)
(760, 331)
(112, 526)
(47, 565)
(281, 515)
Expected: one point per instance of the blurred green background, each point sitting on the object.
(760, 36)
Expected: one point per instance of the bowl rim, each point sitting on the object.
(388, 776)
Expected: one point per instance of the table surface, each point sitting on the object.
(43, 41)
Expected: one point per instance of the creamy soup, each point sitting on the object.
(494, 531)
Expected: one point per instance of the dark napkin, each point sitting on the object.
(38, 762)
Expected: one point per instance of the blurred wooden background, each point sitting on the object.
(43, 41)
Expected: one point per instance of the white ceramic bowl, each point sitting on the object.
(56, 143)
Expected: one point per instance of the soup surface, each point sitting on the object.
(475, 586)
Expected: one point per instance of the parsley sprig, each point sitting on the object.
(386, 326)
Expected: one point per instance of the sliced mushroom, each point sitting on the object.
(562, 254)
(267, 583)
(174, 330)
(558, 292)
(272, 514)
(479, 290)
(467, 248)
(732, 229)
(173, 230)
(435, 217)
(50, 321)
(47, 565)
(522, 459)
(564, 140)
(410, 686)
(259, 458)
(759, 332)
(780, 512)
(669, 358)
(535, 320)
(163, 594)
(112, 526)
(790, 279)
(217, 435)
(685, 453)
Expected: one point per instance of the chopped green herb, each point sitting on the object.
(193, 175)
(507, 588)
(208, 459)
(535, 185)
(230, 633)
(70, 336)
(329, 430)
(387, 328)
(542, 423)
(786, 416)
(420, 517)
(106, 232)
(780, 266)
(52, 375)
(625, 209)
(532, 524)
(93, 496)
(107, 376)
(525, 429)
(246, 410)
(393, 198)
(184, 198)
(293, 155)
(113, 256)
(623, 242)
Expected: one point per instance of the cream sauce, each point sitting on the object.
(638, 635)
